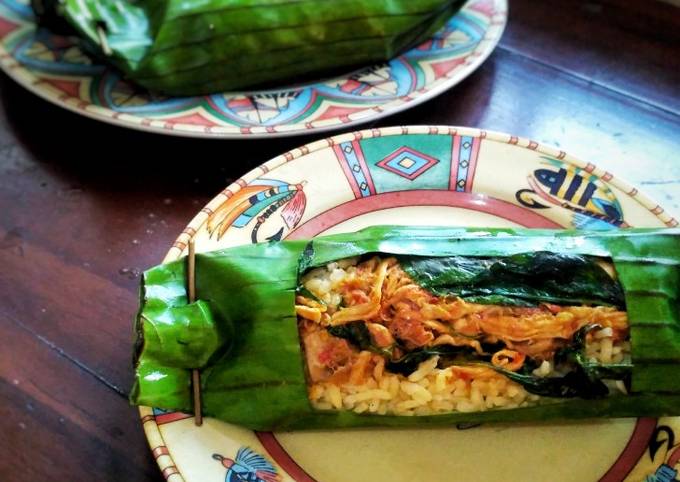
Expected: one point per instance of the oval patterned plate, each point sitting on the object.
(418, 175)
(55, 68)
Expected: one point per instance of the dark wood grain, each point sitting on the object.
(598, 79)
(632, 47)
(60, 423)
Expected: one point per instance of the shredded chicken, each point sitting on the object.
(380, 293)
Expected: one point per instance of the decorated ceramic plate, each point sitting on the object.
(55, 68)
(434, 176)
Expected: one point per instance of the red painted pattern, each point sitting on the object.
(364, 168)
(486, 7)
(285, 461)
(171, 417)
(72, 88)
(674, 458)
(634, 450)
(455, 152)
(148, 418)
(160, 451)
(474, 202)
(193, 118)
(340, 156)
(342, 112)
(168, 471)
(446, 68)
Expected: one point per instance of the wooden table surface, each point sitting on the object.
(598, 78)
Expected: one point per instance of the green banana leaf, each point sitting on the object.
(243, 336)
(182, 47)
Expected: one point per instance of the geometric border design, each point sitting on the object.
(352, 161)
(464, 163)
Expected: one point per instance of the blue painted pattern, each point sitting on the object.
(464, 156)
(352, 160)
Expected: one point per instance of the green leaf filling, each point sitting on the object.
(525, 279)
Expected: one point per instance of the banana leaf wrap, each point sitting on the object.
(244, 335)
(196, 47)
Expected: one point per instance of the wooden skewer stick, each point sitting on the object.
(196, 383)
(103, 41)
(191, 271)
(195, 374)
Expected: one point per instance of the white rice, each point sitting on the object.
(434, 391)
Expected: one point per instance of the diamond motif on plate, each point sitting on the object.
(407, 162)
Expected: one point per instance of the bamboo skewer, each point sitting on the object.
(191, 272)
(103, 41)
(191, 292)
